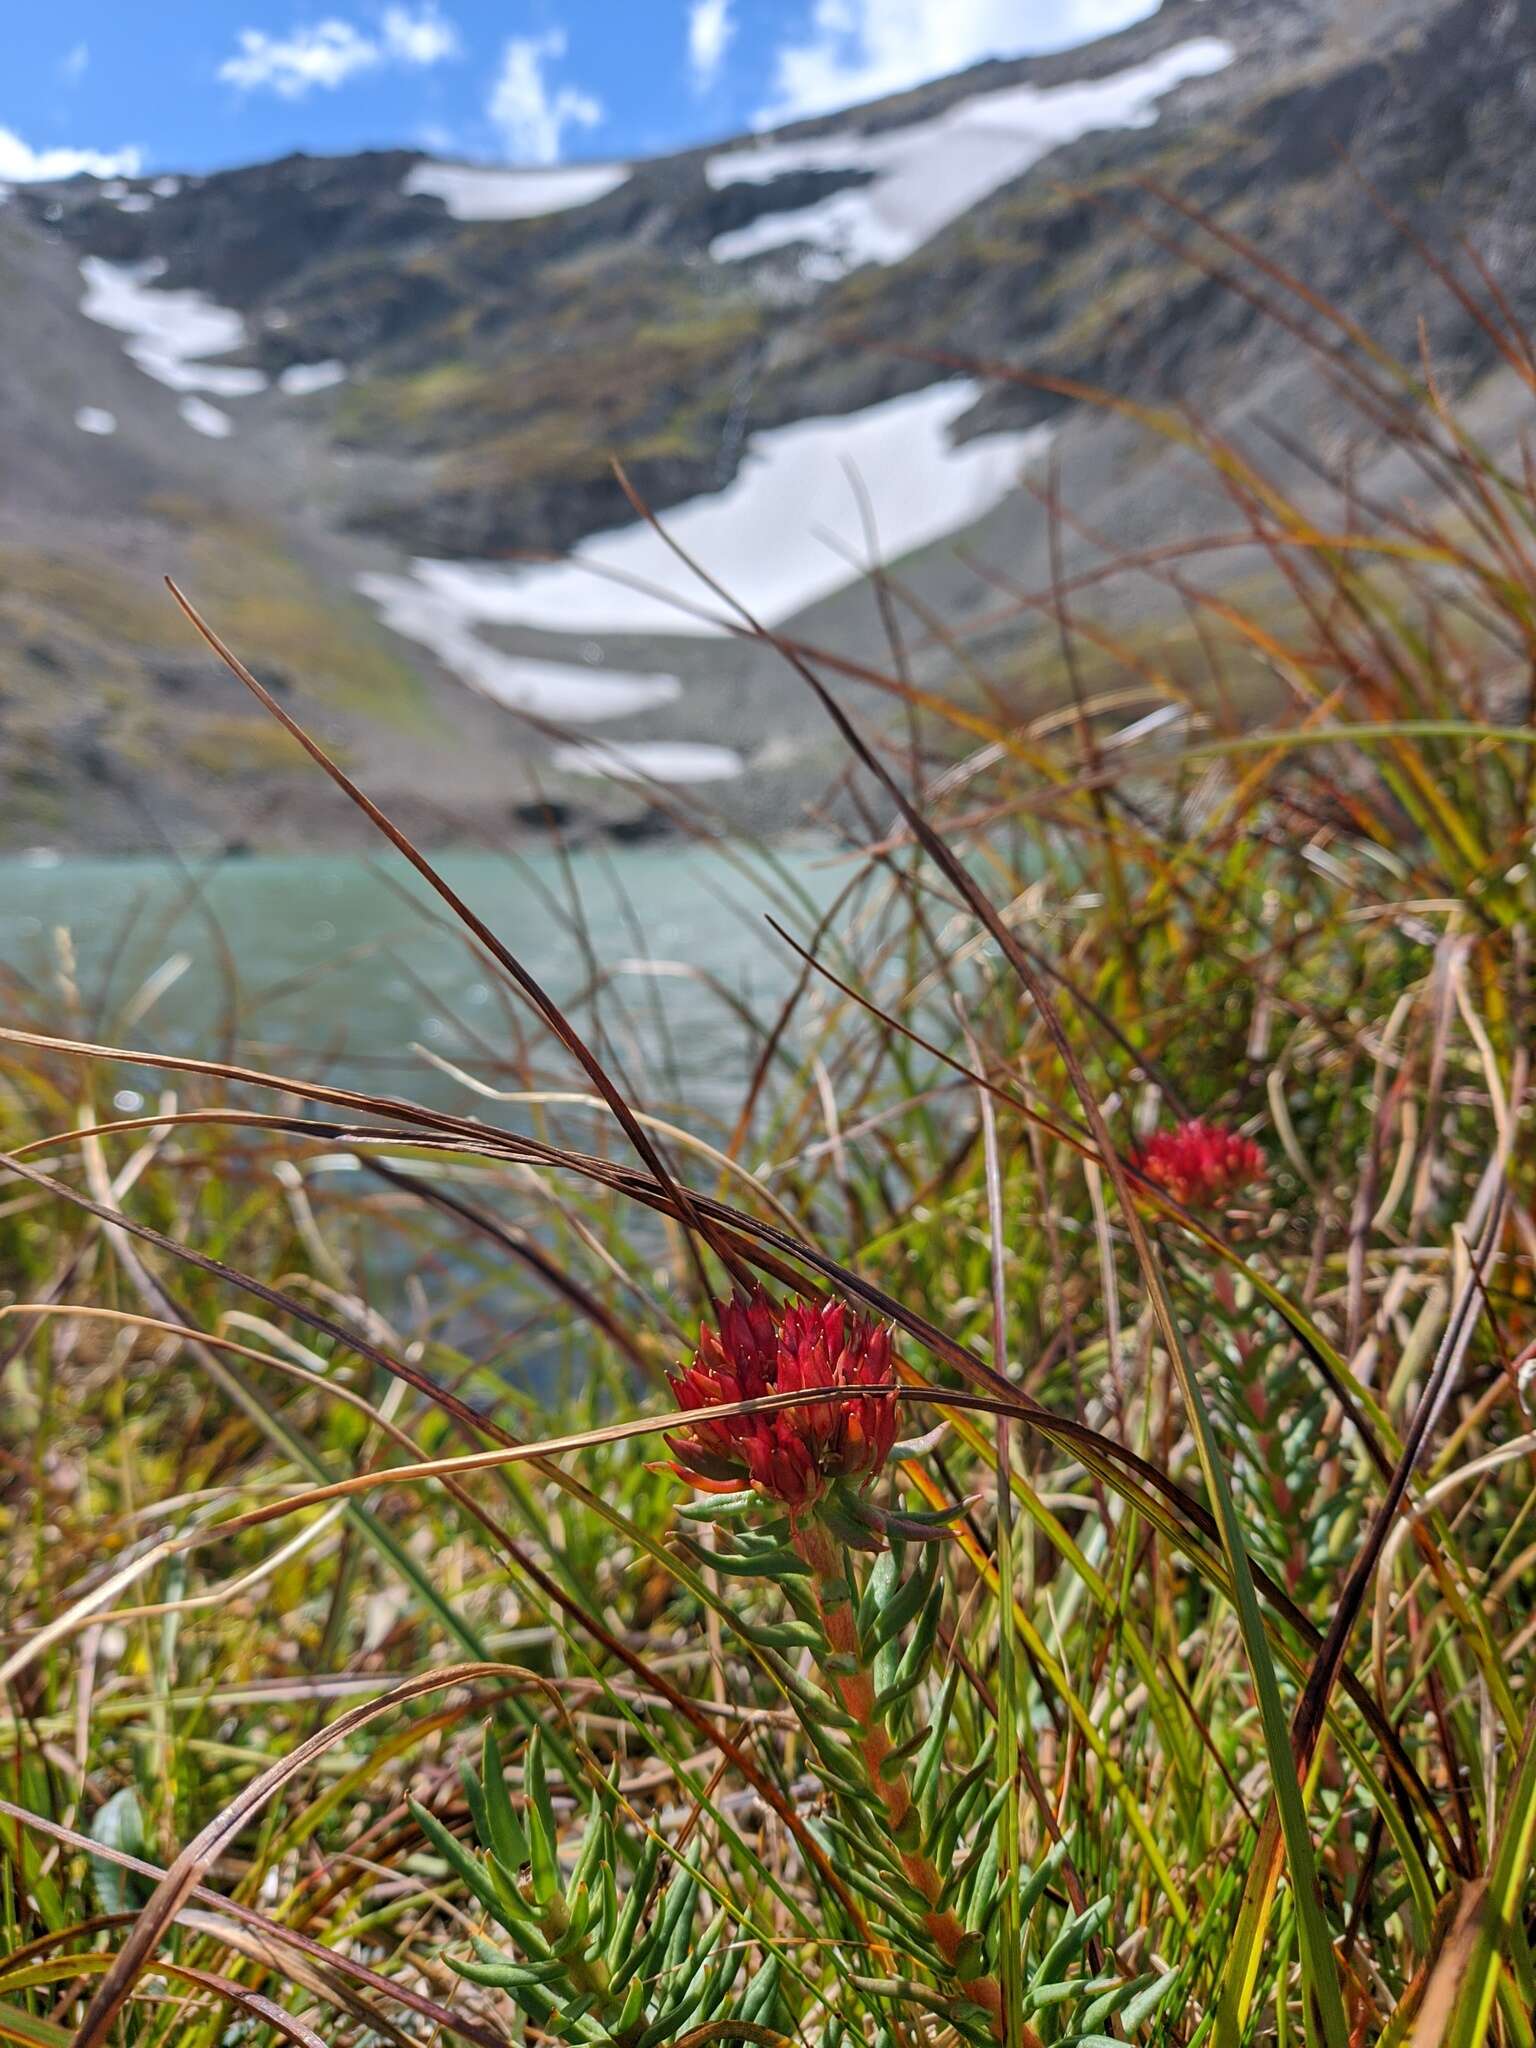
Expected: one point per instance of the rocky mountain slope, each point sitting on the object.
(339, 398)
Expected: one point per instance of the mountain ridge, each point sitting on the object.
(403, 386)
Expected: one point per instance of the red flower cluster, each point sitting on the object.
(791, 1454)
(1199, 1164)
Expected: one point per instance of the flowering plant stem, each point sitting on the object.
(853, 1682)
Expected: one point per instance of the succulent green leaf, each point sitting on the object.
(542, 1834)
(762, 1990)
(503, 1907)
(1068, 1945)
(497, 1823)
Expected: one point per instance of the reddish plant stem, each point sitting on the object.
(855, 1688)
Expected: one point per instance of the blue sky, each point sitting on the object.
(195, 84)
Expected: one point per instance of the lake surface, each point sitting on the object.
(342, 965)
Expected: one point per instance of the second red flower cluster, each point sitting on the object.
(1199, 1164)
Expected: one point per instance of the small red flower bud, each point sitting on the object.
(792, 1455)
(1201, 1165)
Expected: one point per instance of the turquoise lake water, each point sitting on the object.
(338, 964)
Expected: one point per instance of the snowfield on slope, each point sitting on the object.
(204, 418)
(650, 761)
(785, 533)
(475, 192)
(171, 331)
(928, 174)
(300, 379)
(564, 692)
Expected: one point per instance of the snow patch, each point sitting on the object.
(299, 379)
(472, 192)
(928, 174)
(785, 533)
(651, 761)
(136, 202)
(165, 188)
(566, 694)
(171, 330)
(95, 419)
(204, 418)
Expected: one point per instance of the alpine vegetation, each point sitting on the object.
(1014, 1526)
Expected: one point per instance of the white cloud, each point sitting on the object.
(329, 52)
(860, 49)
(423, 38)
(327, 55)
(72, 67)
(22, 165)
(710, 29)
(532, 119)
